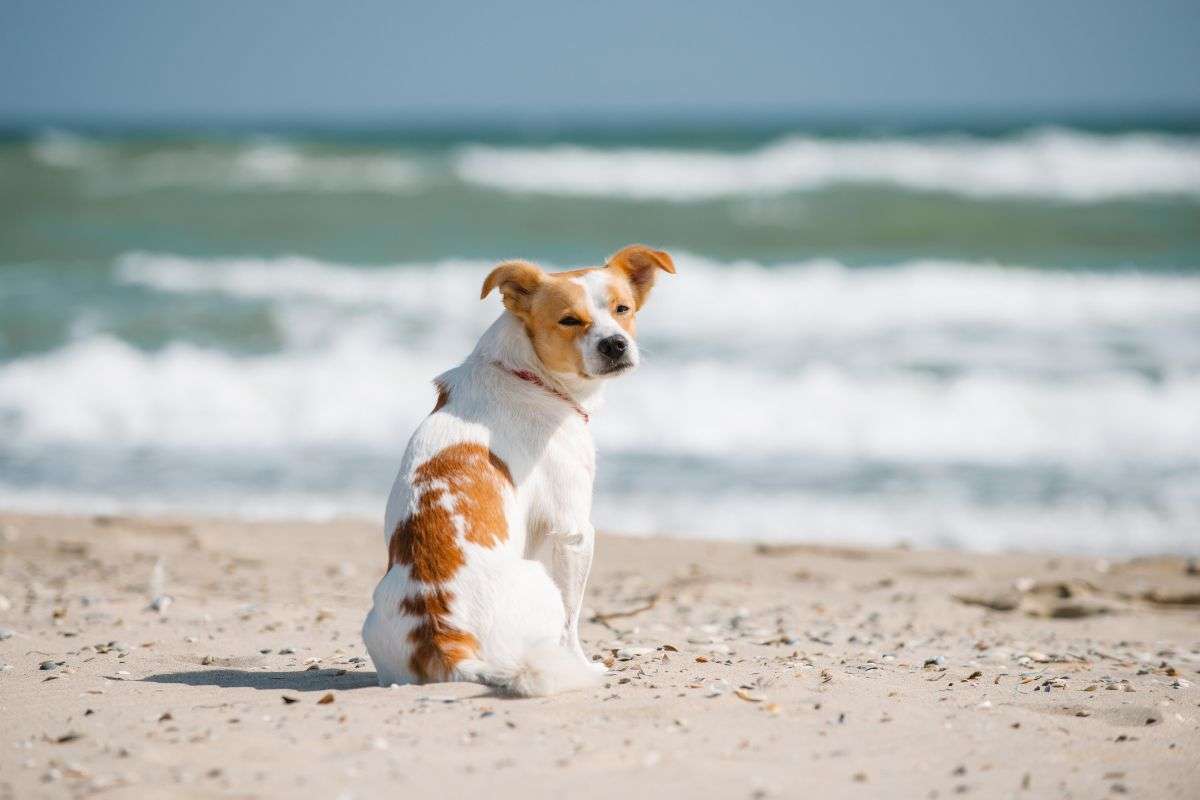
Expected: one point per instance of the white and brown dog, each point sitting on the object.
(499, 475)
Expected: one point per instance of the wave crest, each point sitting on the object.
(1053, 163)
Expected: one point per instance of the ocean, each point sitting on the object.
(942, 337)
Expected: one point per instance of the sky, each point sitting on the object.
(154, 61)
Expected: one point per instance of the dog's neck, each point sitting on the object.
(507, 342)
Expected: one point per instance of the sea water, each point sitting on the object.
(987, 340)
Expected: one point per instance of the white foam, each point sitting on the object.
(801, 298)
(813, 358)
(1051, 163)
(938, 517)
(919, 366)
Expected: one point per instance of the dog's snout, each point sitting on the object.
(613, 347)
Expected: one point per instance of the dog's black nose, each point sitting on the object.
(613, 347)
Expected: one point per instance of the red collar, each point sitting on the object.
(529, 377)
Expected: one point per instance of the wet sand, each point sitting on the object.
(192, 658)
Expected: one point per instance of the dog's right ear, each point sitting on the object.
(517, 281)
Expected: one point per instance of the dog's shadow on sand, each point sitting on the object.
(294, 681)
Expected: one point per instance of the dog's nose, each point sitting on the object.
(613, 347)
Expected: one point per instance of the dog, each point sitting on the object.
(488, 523)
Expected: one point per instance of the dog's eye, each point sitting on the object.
(622, 309)
(571, 321)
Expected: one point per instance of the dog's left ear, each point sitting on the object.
(640, 265)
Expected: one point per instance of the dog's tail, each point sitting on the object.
(544, 669)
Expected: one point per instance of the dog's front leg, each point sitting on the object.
(571, 563)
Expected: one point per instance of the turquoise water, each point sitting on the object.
(941, 337)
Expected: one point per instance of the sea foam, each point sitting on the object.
(759, 383)
(1050, 163)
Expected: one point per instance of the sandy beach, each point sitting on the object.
(189, 658)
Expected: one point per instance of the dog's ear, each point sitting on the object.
(640, 265)
(517, 281)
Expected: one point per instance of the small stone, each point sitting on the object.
(160, 603)
(286, 651)
(5, 633)
(629, 653)
(48, 666)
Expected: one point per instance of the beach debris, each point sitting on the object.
(630, 653)
(160, 603)
(286, 651)
(702, 639)
(749, 697)
(1060, 599)
(1172, 597)
(48, 666)
(6, 633)
(604, 617)
(326, 699)
(288, 700)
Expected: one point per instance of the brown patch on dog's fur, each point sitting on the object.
(474, 479)
(437, 646)
(442, 398)
(621, 293)
(557, 345)
(460, 487)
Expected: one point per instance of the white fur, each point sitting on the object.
(520, 599)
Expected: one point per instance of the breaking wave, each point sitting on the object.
(756, 379)
(1052, 163)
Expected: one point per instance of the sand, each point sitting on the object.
(191, 658)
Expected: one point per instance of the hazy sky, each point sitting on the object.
(155, 60)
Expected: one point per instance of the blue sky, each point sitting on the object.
(378, 60)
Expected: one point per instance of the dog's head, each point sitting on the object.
(582, 322)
